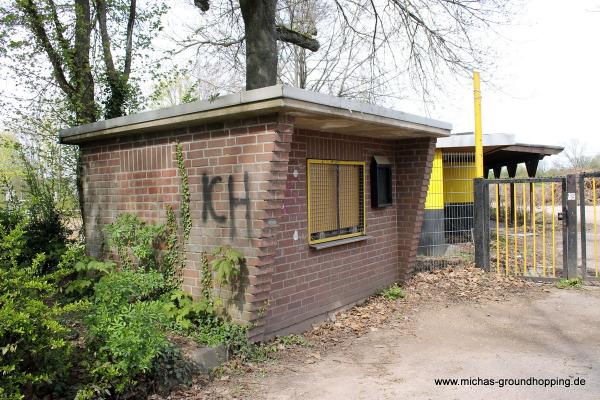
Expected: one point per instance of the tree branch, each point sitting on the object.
(219, 43)
(111, 72)
(37, 26)
(203, 5)
(60, 30)
(129, 40)
(299, 39)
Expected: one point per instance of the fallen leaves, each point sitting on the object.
(436, 288)
(426, 290)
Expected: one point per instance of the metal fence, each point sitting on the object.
(446, 235)
(526, 226)
(534, 227)
(589, 216)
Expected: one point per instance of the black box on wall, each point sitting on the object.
(381, 182)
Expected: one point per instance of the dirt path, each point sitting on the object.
(453, 324)
(554, 336)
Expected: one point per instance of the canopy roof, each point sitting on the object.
(500, 150)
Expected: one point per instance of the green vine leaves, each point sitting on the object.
(186, 217)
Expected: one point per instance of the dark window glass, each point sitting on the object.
(381, 182)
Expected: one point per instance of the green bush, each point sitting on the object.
(170, 370)
(125, 287)
(46, 233)
(12, 244)
(44, 229)
(147, 247)
(394, 292)
(124, 342)
(135, 241)
(77, 273)
(218, 331)
(569, 283)
(185, 312)
(120, 348)
(125, 331)
(226, 264)
(40, 234)
(34, 340)
(199, 320)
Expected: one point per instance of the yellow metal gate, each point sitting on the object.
(527, 231)
(521, 226)
(589, 216)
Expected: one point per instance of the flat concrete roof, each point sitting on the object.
(311, 111)
(494, 142)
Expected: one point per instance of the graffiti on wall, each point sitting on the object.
(208, 208)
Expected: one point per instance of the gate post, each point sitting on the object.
(582, 227)
(481, 223)
(570, 226)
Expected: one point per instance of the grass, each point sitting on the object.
(394, 292)
(293, 340)
(569, 283)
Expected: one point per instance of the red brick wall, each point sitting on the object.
(307, 283)
(138, 173)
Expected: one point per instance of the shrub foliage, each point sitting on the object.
(75, 327)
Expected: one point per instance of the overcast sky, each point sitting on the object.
(545, 82)
(546, 85)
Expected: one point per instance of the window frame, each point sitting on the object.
(362, 193)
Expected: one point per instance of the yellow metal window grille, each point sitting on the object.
(336, 200)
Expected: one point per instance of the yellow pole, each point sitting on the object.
(553, 239)
(524, 186)
(543, 229)
(533, 229)
(497, 228)
(478, 134)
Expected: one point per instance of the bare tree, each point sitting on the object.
(366, 47)
(345, 66)
(576, 154)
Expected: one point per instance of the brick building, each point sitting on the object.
(323, 195)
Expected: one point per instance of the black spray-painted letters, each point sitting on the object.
(208, 209)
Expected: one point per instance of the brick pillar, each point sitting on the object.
(276, 156)
(414, 160)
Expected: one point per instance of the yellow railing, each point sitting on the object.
(533, 235)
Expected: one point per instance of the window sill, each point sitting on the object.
(333, 243)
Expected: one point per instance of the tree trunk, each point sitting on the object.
(83, 100)
(261, 42)
(84, 103)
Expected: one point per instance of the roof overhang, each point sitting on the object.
(311, 110)
(494, 142)
(499, 150)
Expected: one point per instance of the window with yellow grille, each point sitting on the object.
(336, 200)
